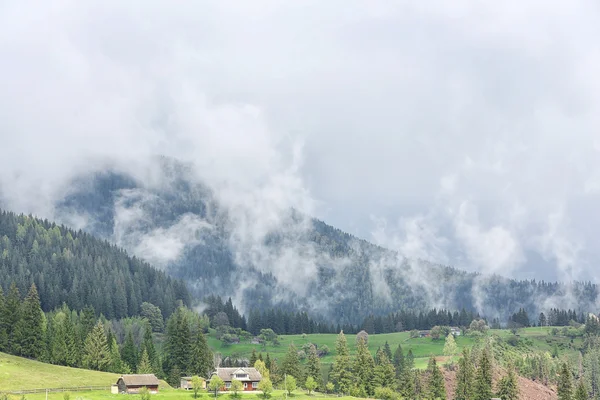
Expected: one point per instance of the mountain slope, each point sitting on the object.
(79, 269)
(265, 258)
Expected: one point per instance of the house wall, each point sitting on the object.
(136, 389)
(247, 388)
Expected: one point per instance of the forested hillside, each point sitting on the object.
(80, 270)
(300, 263)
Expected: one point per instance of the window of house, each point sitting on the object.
(241, 376)
(228, 385)
(254, 385)
(245, 385)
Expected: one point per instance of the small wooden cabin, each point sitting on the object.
(131, 384)
(186, 383)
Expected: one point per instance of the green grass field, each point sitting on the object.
(20, 373)
(422, 347)
(176, 394)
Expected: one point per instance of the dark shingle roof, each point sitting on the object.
(226, 374)
(140, 380)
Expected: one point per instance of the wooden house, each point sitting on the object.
(250, 377)
(131, 384)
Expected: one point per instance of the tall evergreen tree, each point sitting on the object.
(565, 383)
(201, 358)
(73, 342)
(313, 365)
(144, 366)
(581, 392)
(364, 366)
(406, 384)
(399, 360)
(483, 377)
(464, 377)
(12, 316)
(58, 339)
(385, 375)
(116, 365)
(508, 387)
(148, 345)
(388, 351)
(291, 363)
(409, 361)
(30, 328)
(3, 328)
(435, 383)
(129, 352)
(178, 341)
(341, 372)
(95, 353)
(268, 362)
(253, 357)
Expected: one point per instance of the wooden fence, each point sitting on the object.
(54, 390)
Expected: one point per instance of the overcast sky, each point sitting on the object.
(462, 132)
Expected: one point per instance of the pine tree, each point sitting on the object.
(95, 353)
(364, 366)
(399, 360)
(201, 358)
(565, 383)
(178, 341)
(435, 383)
(464, 377)
(30, 328)
(409, 361)
(341, 372)
(116, 365)
(58, 339)
(581, 392)
(253, 357)
(144, 366)
(148, 345)
(291, 363)
(3, 331)
(508, 387)
(313, 365)
(406, 384)
(384, 372)
(268, 362)
(73, 343)
(12, 309)
(129, 352)
(388, 351)
(483, 377)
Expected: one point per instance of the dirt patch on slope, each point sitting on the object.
(528, 389)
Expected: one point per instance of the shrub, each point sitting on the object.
(144, 393)
(385, 393)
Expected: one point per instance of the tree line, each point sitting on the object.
(82, 339)
(77, 269)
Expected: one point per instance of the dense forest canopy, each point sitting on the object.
(80, 270)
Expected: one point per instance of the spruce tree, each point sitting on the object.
(30, 328)
(565, 383)
(581, 392)
(73, 343)
(148, 345)
(364, 366)
(399, 360)
(129, 352)
(313, 365)
(116, 365)
(3, 331)
(178, 341)
(435, 382)
(12, 307)
(201, 358)
(385, 375)
(144, 366)
(464, 377)
(95, 352)
(388, 351)
(341, 372)
(58, 339)
(409, 361)
(291, 363)
(253, 357)
(268, 362)
(483, 377)
(508, 387)
(406, 384)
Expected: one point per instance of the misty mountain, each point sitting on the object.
(282, 258)
(80, 270)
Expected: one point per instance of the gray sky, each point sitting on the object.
(462, 132)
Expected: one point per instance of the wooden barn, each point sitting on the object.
(186, 383)
(131, 384)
